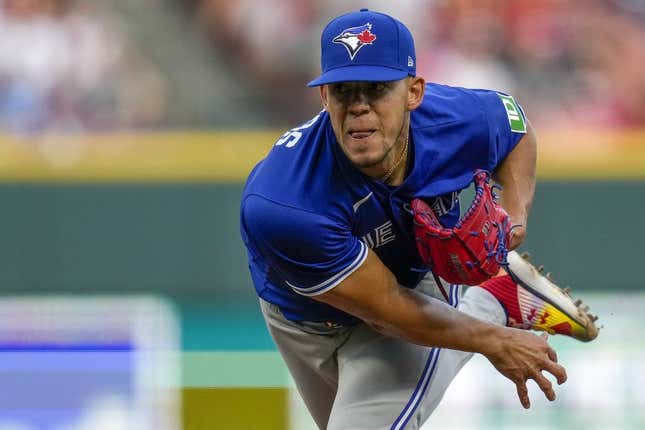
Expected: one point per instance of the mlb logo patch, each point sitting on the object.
(354, 38)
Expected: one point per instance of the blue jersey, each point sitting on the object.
(308, 216)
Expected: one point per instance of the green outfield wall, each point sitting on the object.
(183, 239)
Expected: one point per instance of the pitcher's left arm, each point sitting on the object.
(516, 174)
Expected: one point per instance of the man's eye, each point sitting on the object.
(341, 89)
(380, 86)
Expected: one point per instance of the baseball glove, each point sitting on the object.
(475, 248)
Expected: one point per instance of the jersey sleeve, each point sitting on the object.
(312, 253)
(506, 122)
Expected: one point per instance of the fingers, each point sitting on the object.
(552, 355)
(516, 236)
(523, 394)
(552, 366)
(542, 382)
(545, 385)
(556, 370)
(549, 364)
(529, 359)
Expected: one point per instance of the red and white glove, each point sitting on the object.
(475, 248)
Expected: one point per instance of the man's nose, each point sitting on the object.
(358, 103)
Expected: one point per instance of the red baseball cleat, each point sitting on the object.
(533, 302)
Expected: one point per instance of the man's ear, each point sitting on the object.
(324, 94)
(416, 91)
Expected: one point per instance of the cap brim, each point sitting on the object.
(359, 74)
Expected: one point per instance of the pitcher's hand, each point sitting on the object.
(520, 356)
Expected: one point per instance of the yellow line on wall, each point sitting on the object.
(174, 157)
(229, 156)
(570, 155)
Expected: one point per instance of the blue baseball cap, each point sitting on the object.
(365, 46)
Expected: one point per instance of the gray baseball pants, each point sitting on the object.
(357, 378)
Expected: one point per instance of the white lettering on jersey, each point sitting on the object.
(380, 236)
(367, 239)
(291, 137)
(444, 204)
(361, 201)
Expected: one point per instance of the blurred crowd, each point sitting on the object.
(571, 63)
(66, 66)
(73, 65)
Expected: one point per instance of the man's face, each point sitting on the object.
(367, 118)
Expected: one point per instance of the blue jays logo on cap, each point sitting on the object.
(354, 38)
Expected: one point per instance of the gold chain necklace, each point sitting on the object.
(387, 175)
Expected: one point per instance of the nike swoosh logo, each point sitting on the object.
(361, 201)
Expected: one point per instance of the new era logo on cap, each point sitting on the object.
(354, 38)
